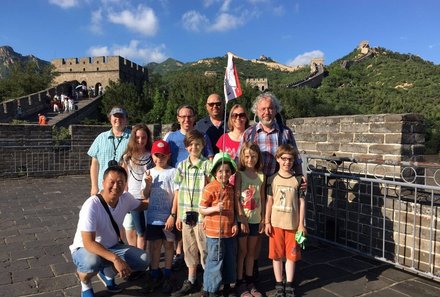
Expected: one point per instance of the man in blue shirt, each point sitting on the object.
(108, 147)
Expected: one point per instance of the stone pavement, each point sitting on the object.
(38, 218)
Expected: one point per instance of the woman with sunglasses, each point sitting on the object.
(238, 122)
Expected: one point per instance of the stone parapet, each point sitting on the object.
(395, 136)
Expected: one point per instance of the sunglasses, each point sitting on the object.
(238, 115)
(112, 163)
(286, 159)
(212, 104)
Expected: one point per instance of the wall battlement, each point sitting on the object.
(99, 71)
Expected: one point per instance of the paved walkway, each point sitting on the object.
(38, 218)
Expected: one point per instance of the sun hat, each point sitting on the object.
(222, 157)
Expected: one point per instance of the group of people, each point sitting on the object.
(202, 195)
(62, 103)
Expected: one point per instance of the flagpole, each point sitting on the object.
(232, 90)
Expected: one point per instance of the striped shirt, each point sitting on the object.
(190, 180)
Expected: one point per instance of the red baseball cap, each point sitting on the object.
(160, 147)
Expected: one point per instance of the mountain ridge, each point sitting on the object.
(8, 57)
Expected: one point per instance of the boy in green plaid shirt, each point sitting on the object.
(191, 177)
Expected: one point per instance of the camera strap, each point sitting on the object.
(115, 226)
(195, 177)
(115, 147)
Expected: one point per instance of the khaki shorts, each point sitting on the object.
(194, 245)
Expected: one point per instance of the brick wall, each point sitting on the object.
(392, 137)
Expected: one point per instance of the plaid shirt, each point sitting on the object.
(268, 143)
(190, 180)
(212, 195)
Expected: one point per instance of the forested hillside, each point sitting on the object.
(389, 82)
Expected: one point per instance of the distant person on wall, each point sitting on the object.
(108, 147)
(100, 90)
(97, 248)
(213, 124)
(42, 120)
(19, 112)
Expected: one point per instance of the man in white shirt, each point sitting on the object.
(96, 248)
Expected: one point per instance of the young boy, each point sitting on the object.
(285, 210)
(191, 177)
(217, 207)
(158, 187)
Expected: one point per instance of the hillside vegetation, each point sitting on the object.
(388, 82)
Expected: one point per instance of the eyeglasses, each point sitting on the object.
(238, 115)
(286, 159)
(212, 104)
(185, 116)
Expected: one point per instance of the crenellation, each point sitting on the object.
(99, 71)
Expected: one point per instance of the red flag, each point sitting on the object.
(232, 83)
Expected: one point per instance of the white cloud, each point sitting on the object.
(225, 6)
(64, 3)
(279, 10)
(306, 58)
(143, 20)
(225, 22)
(95, 25)
(194, 21)
(96, 51)
(133, 51)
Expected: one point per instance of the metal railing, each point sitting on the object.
(386, 210)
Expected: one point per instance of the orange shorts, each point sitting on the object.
(282, 244)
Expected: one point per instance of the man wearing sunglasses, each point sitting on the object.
(213, 124)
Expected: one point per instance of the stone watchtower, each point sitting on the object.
(364, 46)
(99, 71)
(260, 83)
(315, 64)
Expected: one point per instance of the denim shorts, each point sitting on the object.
(87, 262)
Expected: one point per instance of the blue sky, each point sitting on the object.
(289, 31)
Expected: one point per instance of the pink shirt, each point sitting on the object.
(230, 146)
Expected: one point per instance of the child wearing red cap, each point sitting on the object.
(158, 188)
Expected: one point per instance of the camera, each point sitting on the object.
(112, 163)
(191, 218)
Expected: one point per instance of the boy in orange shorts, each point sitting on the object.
(285, 210)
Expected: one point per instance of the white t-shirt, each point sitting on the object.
(161, 195)
(94, 218)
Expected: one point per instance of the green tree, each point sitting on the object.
(125, 94)
(26, 78)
